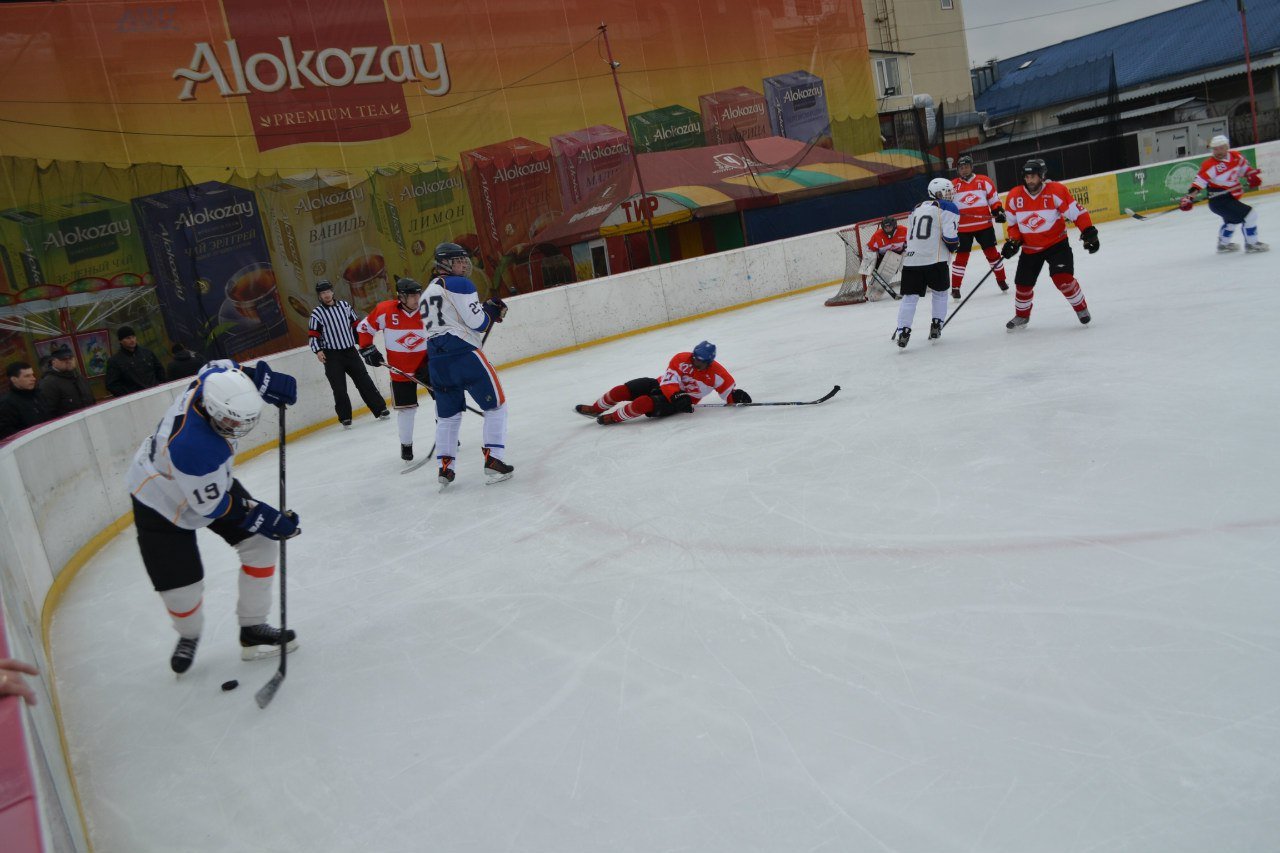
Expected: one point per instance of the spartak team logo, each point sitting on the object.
(339, 79)
(1034, 222)
(413, 340)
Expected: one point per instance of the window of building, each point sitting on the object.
(887, 77)
(948, 5)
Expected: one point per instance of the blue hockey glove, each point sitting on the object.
(275, 387)
(495, 308)
(266, 520)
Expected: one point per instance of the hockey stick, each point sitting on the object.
(413, 378)
(966, 299)
(824, 398)
(1147, 217)
(268, 691)
(871, 270)
(875, 276)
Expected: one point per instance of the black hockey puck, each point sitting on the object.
(230, 685)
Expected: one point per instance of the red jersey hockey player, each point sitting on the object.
(400, 321)
(690, 376)
(1038, 213)
(889, 237)
(1221, 175)
(979, 203)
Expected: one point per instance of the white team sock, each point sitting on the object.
(907, 311)
(495, 431)
(186, 609)
(257, 573)
(447, 430)
(1228, 231)
(404, 420)
(1251, 227)
(939, 305)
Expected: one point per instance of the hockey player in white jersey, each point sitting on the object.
(932, 235)
(454, 321)
(180, 482)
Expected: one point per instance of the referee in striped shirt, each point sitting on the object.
(333, 340)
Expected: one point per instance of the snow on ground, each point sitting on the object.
(1005, 592)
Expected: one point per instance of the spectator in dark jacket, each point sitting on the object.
(62, 387)
(21, 407)
(185, 363)
(132, 368)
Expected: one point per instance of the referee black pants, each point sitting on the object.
(338, 365)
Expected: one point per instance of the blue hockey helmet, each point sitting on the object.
(703, 354)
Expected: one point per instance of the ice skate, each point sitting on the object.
(1017, 323)
(955, 293)
(902, 336)
(935, 329)
(1259, 246)
(406, 452)
(183, 655)
(495, 469)
(1227, 248)
(1004, 286)
(608, 418)
(384, 415)
(345, 424)
(588, 410)
(446, 473)
(263, 641)
(1083, 316)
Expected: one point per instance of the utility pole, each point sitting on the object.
(1248, 70)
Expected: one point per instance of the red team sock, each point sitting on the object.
(613, 397)
(1070, 288)
(958, 263)
(637, 408)
(1022, 301)
(994, 258)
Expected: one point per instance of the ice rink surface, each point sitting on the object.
(1006, 592)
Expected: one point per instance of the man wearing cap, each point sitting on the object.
(333, 340)
(132, 368)
(62, 387)
(185, 365)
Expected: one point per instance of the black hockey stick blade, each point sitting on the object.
(409, 469)
(1144, 217)
(824, 398)
(268, 691)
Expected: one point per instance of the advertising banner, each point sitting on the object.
(1162, 184)
(1098, 196)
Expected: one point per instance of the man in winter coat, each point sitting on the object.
(185, 364)
(62, 388)
(132, 368)
(21, 407)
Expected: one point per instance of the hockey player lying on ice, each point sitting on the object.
(690, 376)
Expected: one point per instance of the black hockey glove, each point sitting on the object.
(997, 213)
(495, 308)
(740, 397)
(371, 356)
(682, 402)
(1089, 237)
(1010, 248)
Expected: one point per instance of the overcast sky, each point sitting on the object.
(991, 37)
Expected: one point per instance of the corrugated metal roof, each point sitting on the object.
(1177, 43)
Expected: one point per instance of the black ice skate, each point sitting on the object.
(406, 452)
(345, 424)
(384, 415)
(1017, 323)
(1004, 287)
(588, 410)
(263, 641)
(902, 336)
(1083, 316)
(935, 329)
(955, 293)
(495, 469)
(446, 474)
(183, 654)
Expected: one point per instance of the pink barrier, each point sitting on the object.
(19, 811)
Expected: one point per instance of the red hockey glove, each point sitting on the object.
(1187, 201)
(1253, 178)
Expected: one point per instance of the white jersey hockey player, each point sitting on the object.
(932, 235)
(180, 481)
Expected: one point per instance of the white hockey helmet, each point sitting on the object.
(940, 188)
(1219, 141)
(232, 403)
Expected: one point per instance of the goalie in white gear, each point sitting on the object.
(180, 481)
(932, 235)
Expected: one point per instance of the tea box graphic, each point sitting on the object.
(81, 244)
(216, 286)
(318, 230)
(513, 196)
(666, 129)
(798, 107)
(417, 209)
(732, 115)
(586, 159)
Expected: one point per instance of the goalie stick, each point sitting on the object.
(268, 691)
(869, 270)
(824, 398)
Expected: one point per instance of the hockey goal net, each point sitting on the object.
(857, 285)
